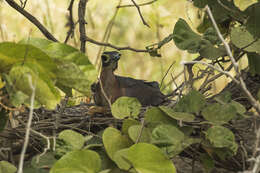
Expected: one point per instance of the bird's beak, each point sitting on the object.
(117, 57)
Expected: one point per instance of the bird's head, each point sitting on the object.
(110, 59)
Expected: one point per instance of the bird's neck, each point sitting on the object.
(107, 76)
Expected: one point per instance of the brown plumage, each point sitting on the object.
(148, 93)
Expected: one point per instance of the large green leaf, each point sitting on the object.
(125, 107)
(79, 161)
(114, 141)
(37, 42)
(147, 158)
(12, 53)
(69, 75)
(242, 38)
(192, 102)
(184, 38)
(6, 167)
(221, 137)
(45, 93)
(219, 114)
(209, 51)
(183, 116)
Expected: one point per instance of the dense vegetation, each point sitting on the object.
(43, 74)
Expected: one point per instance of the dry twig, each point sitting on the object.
(140, 13)
(82, 22)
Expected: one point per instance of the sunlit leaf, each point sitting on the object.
(147, 158)
(138, 132)
(79, 161)
(114, 141)
(45, 92)
(128, 123)
(126, 107)
(73, 138)
(243, 4)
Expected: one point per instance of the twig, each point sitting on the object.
(241, 82)
(142, 4)
(211, 66)
(31, 18)
(28, 126)
(167, 73)
(113, 46)
(71, 23)
(104, 93)
(48, 143)
(140, 13)
(82, 22)
(140, 132)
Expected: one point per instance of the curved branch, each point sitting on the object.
(32, 19)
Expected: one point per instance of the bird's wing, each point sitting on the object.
(127, 82)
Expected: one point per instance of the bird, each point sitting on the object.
(114, 86)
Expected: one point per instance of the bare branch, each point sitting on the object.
(32, 19)
(140, 13)
(82, 22)
(70, 23)
(113, 46)
(242, 84)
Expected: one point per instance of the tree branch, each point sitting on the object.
(82, 22)
(140, 13)
(32, 19)
(70, 23)
(242, 84)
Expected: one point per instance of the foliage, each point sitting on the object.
(164, 131)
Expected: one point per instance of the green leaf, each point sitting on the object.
(147, 158)
(254, 63)
(69, 75)
(183, 116)
(252, 22)
(184, 38)
(135, 131)
(154, 116)
(200, 3)
(45, 93)
(224, 97)
(239, 107)
(12, 53)
(221, 137)
(80, 161)
(193, 102)
(209, 51)
(207, 162)
(128, 123)
(114, 141)
(75, 139)
(242, 38)
(243, 4)
(41, 162)
(6, 167)
(37, 42)
(125, 107)
(219, 114)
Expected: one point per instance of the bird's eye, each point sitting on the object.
(105, 58)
